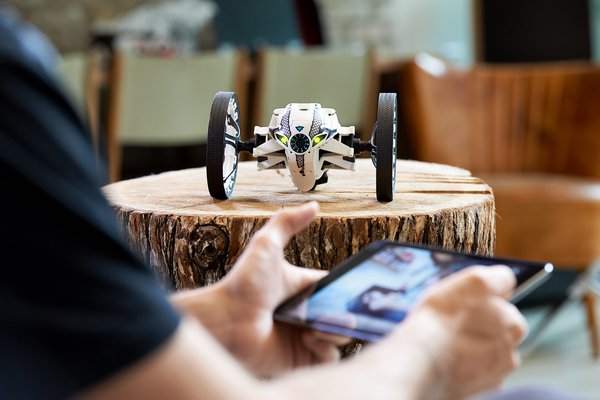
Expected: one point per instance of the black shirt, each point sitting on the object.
(75, 304)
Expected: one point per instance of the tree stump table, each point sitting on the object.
(191, 239)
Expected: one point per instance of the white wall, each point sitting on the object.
(403, 27)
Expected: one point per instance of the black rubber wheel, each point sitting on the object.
(222, 145)
(385, 142)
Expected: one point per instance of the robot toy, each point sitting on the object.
(304, 138)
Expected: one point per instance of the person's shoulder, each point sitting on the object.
(9, 32)
(23, 44)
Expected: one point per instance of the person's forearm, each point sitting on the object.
(192, 366)
(399, 368)
(208, 305)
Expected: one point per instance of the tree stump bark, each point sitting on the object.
(191, 239)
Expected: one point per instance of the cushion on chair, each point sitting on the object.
(547, 217)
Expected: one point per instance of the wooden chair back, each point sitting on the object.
(340, 79)
(530, 118)
(73, 74)
(166, 101)
(532, 132)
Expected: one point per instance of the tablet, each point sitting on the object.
(372, 291)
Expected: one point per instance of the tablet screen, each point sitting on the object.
(366, 296)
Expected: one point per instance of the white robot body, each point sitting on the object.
(307, 140)
(304, 138)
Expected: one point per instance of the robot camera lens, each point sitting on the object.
(299, 143)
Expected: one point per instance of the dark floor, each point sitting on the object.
(553, 291)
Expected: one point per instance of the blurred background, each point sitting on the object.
(460, 30)
(508, 89)
(463, 32)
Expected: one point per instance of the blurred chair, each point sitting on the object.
(166, 101)
(341, 79)
(82, 75)
(72, 71)
(532, 132)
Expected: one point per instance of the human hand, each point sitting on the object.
(468, 331)
(259, 281)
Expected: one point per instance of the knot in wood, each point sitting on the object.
(209, 244)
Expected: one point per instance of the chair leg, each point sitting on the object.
(531, 341)
(590, 305)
